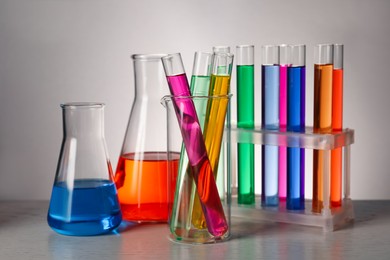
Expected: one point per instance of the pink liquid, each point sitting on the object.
(283, 124)
(283, 96)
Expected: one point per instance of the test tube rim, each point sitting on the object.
(324, 44)
(245, 45)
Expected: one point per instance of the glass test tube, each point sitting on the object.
(195, 146)
(199, 86)
(221, 166)
(215, 119)
(337, 125)
(285, 52)
(245, 119)
(221, 49)
(322, 123)
(270, 121)
(296, 86)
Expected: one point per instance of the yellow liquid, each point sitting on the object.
(213, 133)
(323, 77)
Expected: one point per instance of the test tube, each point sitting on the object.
(270, 121)
(245, 119)
(215, 119)
(285, 56)
(195, 146)
(199, 86)
(221, 49)
(221, 166)
(322, 123)
(296, 123)
(337, 125)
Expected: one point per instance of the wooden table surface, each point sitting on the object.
(24, 234)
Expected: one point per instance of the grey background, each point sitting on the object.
(57, 51)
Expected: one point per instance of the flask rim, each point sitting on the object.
(155, 56)
(82, 105)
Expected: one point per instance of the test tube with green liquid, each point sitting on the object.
(245, 119)
(215, 120)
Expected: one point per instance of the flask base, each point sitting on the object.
(85, 228)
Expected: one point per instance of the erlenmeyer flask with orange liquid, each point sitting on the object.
(141, 175)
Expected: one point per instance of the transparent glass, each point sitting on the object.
(285, 54)
(328, 218)
(221, 49)
(270, 55)
(323, 54)
(201, 69)
(211, 221)
(141, 174)
(338, 56)
(84, 198)
(245, 55)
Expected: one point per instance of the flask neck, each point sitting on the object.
(149, 76)
(83, 120)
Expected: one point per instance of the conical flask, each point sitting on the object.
(84, 198)
(141, 175)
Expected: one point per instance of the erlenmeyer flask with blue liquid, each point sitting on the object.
(84, 198)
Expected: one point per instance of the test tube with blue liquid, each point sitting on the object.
(270, 121)
(296, 82)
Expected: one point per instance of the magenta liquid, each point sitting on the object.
(197, 155)
(283, 126)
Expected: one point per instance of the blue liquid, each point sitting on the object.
(296, 123)
(270, 120)
(89, 208)
(269, 175)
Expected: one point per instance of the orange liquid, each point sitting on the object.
(323, 77)
(337, 125)
(143, 185)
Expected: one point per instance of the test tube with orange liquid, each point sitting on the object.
(337, 125)
(323, 84)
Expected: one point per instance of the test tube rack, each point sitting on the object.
(329, 219)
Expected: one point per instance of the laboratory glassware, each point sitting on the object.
(84, 198)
